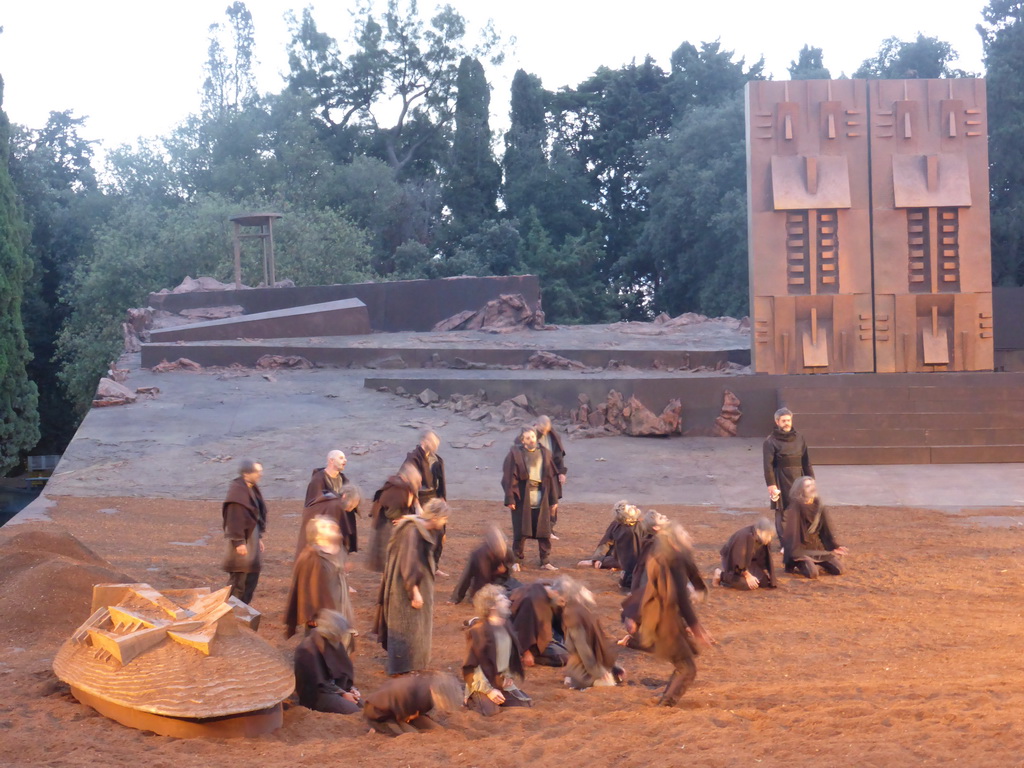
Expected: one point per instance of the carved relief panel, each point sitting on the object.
(868, 226)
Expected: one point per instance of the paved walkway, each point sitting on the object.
(187, 441)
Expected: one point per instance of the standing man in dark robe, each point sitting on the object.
(405, 603)
(318, 578)
(324, 674)
(663, 622)
(489, 563)
(747, 559)
(536, 617)
(531, 495)
(620, 545)
(548, 438)
(592, 654)
(492, 656)
(245, 521)
(395, 499)
(330, 493)
(432, 481)
(808, 539)
(785, 459)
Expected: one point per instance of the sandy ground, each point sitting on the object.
(911, 658)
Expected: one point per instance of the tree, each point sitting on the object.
(1003, 38)
(146, 247)
(925, 57)
(19, 417)
(696, 235)
(402, 67)
(52, 171)
(809, 65)
(230, 84)
(708, 76)
(473, 175)
(602, 125)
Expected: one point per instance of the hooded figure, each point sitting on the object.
(808, 538)
(493, 656)
(404, 705)
(489, 563)
(537, 622)
(747, 559)
(318, 578)
(619, 547)
(405, 602)
(591, 653)
(324, 675)
(663, 621)
(785, 459)
(394, 500)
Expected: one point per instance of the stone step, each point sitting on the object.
(938, 454)
(886, 419)
(911, 438)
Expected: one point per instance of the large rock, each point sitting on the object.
(109, 392)
(508, 311)
(640, 421)
(726, 423)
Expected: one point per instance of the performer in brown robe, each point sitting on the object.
(620, 545)
(244, 516)
(492, 656)
(654, 523)
(395, 499)
(324, 674)
(432, 479)
(591, 653)
(405, 602)
(489, 563)
(404, 705)
(536, 617)
(330, 494)
(650, 523)
(531, 495)
(747, 559)
(547, 437)
(785, 459)
(663, 621)
(808, 539)
(318, 578)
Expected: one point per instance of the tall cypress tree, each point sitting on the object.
(526, 168)
(473, 175)
(19, 415)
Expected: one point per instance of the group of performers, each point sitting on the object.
(548, 622)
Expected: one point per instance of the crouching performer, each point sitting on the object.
(620, 544)
(404, 704)
(592, 654)
(492, 656)
(663, 621)
(489, 563)
(808, 539)
(324, 676)
(537, 622)
(747, 558)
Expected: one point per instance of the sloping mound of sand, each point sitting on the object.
(46, 582)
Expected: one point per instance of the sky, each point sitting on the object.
(134, 68)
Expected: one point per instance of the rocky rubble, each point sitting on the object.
(507, 312)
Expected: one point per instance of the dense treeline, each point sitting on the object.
(626, 193)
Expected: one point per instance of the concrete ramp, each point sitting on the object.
(345, 317)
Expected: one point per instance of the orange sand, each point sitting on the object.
(912, 658)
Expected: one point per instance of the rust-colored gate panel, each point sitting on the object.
(855, 272)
